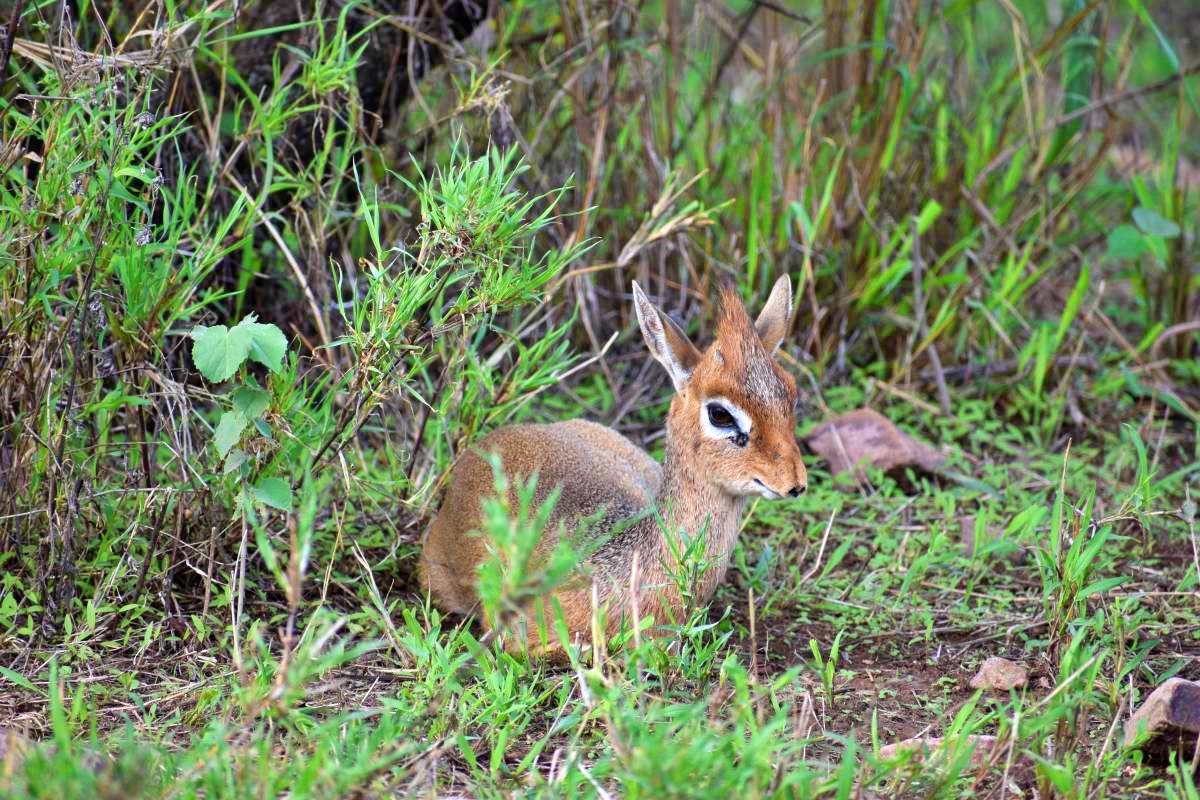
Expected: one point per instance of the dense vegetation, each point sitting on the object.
(266, 273)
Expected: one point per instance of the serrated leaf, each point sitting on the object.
(268, 345)
(18, 679)
(1125, 243)
(274, 492)
(229, 430)
(234, 460)
(250, 401)
(1154, 224)
(218, 351)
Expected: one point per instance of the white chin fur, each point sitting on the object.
(762, 490)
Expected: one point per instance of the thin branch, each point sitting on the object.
(7, 38)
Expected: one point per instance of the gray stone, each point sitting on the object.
(866, 437)
(1000, 675)
(1167, 721)
(923, 746)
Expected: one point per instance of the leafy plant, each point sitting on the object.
(988, 213)
(826, 667)
(1078, 550)
(219, 353)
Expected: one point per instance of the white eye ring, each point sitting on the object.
(742, 423)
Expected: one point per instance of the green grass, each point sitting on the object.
(208, 534)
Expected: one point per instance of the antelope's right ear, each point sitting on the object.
(776, 317)
(666, 340)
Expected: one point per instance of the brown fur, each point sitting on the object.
(701, 486)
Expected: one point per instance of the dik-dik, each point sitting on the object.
(730, 436)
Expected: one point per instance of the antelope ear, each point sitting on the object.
(775, 318)
(667, 342)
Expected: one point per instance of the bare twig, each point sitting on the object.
(922, 330)
(821, 551)
(1079, 113)
(7, 36)
(706, 103)
(297, 270)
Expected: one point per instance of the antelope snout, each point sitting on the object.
(799, 483)
(789, 481)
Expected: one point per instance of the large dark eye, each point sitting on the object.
(720, 418)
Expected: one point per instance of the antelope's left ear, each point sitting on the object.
(667, 342)
(776, 317)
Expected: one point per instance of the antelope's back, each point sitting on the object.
(595, 468)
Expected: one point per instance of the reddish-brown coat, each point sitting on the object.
(700, 488)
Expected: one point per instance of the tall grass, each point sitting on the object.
(986, 205)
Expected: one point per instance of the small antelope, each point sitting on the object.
(730, 436)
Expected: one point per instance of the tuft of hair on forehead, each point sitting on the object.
(743, 357)
(733, 322)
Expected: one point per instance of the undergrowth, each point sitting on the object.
(265, 276)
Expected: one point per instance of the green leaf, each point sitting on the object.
(468, 752)
(250, 401)
(266, 550)
(1105, 585)
(1061, 777)
(1154, 224)
(234, 460)
(929, 214)
(837, 557)
(1074, 301)
(1125, 243)
(970, 483)
(219, 351)
(229, 430)
(268, 345)
(801, 216)
(115, 399)
(1043, 349)
(274, 492)
(18, 679)
(264, 429)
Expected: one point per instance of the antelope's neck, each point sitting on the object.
(688, 501)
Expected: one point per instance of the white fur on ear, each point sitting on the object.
(776, 317)
(666, 342)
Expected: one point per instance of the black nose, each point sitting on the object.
(797, 491)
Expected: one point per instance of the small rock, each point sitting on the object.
(1169, 720)
(922, 746)
(866, 437)
(999, 675)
